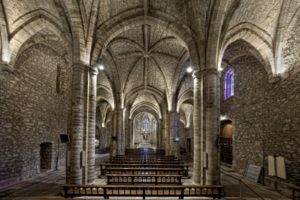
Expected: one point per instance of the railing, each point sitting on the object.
(106, 191)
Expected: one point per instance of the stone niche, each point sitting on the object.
(33, 112)
(265, 117)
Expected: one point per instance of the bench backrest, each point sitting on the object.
(181, 191)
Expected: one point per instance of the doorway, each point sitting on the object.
(226, 142)
(45, 155)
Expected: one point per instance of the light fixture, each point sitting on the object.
(189, 69)
(101, 67)
(220, 69)
(223, 117)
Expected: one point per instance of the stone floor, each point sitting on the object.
(48, 186)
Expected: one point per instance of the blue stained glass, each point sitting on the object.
(229, 81)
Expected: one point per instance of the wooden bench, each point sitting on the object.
(143, 179)
(143, 151)
(141, 162)
(106, 191)
(183, 167)
(143, 159)
(147, 171)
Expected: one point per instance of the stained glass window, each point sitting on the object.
(146, 124)
(229, 84)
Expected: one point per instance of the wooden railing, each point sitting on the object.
(106, 191)
(143, 179)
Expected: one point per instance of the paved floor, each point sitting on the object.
(48, 186)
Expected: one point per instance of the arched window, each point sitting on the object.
(146, 124)
(229, 84)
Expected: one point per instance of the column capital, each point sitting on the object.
(207, 71)
(93, 70)
(197, 74)
(80, 67)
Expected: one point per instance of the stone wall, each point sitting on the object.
(265, 116)
(33, 111)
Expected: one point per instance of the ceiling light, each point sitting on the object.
(189, 69)
(101, 67)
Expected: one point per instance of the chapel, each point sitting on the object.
(138, 99)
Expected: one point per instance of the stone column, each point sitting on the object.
(93, 72)
(174, 126)
(114, 134)
(211, 107)
(197, 131)
(127, 133)
(77, 124)
(131, 133)
(159, 135)
(120, 132)
(167, 133)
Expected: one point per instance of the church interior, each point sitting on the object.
(143, 99)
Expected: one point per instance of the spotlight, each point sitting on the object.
(189, 69)
(101, 67)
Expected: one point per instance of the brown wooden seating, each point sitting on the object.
(147, 171)
(295, 192)
(146, 162)
(104, 166)
(143, 179)
(106, 191)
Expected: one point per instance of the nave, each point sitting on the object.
(48, 186)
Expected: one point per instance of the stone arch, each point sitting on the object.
(153, 91)
(4, 45)
(30, 28)
(186, 96)
(105, 94)
(142, 113)
(214, 33)
(147, 105)
(255, 37)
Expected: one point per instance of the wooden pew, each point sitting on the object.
(107, 167)
(147, 171)
(143, 179)
(147, 151)
(141, 162)
(143, 158)
(106, 191)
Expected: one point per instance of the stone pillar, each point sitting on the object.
(211, 108)
(159, 138)
(114, 134)
(131, 133)
(197, 131)
(174, 127)
(167, 133)
(120, 132)
(77, 124)
(127, 133)
(91, 173)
